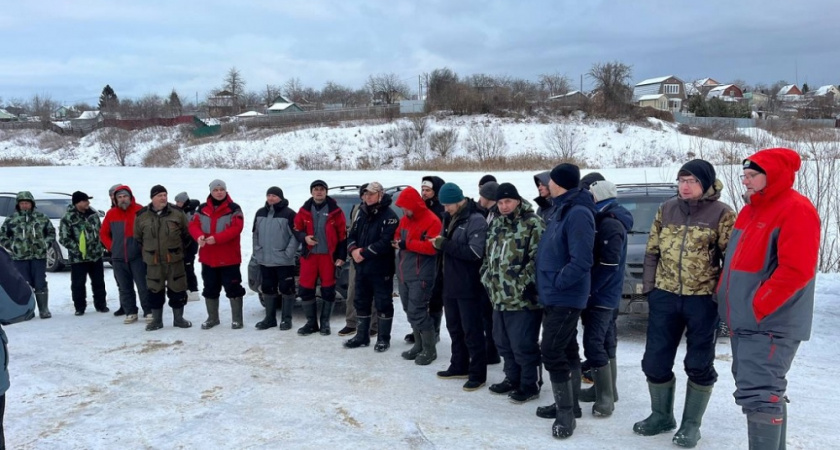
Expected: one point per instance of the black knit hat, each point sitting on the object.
(752, 165)
(488, 190)
(566, 176)
(274, 190)
(590, 178)
(362, 190)
(157, 189)
(321, 183)
(700, 169)
(80, 196)
(507, 190)
(486, 179)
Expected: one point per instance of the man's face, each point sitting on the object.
(407, 212)
(451, 208)
(25, 205)
(123, 201)
(319, 193)
(83, 205)
(427, 192)
(160, 200)
(218, 193)
(555, 190)
(180, 204)
(690, 187)
(371, 198)
(272, 199)
(507, 205)
(485, 203)
(545, 192)
(754, 181)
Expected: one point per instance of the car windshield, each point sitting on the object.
(53, 208)
(643, 210)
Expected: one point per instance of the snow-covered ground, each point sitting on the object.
(92, 382)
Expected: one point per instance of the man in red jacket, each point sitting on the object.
(117, 234)
(766, 290)
(216, 227)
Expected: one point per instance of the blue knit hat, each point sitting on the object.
(450, 193)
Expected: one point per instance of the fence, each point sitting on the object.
(293, 119)
(715, 122)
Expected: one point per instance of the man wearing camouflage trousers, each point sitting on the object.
(79, 234)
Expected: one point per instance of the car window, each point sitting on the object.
(643, 210)
(7, 206)
(53, 208)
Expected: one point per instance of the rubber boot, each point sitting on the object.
(696, 399)
(550, 411)
(564, 423)
(212, 313)
(362, 338)
(429, 353)
(437, 318)
(383, 339)
(310, 308)
(236, 313)
(326, 313)
(288, 305)
(661, 418)
(179, 321)
(588, 395)
(765, 431)
(411, 354)
(157, 320)
(270, 320)
(42, 299)
(614, 373)
(604, 404)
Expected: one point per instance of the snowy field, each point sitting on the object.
(92, 382)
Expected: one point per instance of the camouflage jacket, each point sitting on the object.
(27, 235)
(162, 235)
(79, 233)
(686, 245)
(508, 272)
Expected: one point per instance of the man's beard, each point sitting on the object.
(123, 205)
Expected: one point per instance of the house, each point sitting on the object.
(829, 91)
(757, 100)
(573, 99)
(6, 116)
(701, 86)
(656, 101)
(789, 93)
(282, 105)
(671, 86)
(224, 103)
(86, 122)
(726, 92)
(64, 112)
(250, 114)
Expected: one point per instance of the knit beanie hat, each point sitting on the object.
(603, 190)
(450, 193)
(274, 190)
(488, 190)
(752, 165)
(507, 190)
(486, 179)
(182, 197)
(113, 189)
(122, 192)
(700, 169)
(157, 189)
(566, 176)
(590, 178)
(362, 189)
(217, 184)
(321, 183)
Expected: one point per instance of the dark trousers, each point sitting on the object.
(464, 321)
(79, 272)
(487, 323)
(670, 316)
(517, 334)
(596, 327)
(176, 299)
(378, 289)
(436, 300)
(128, 275)
(560, 352)
(760, 363)
(34, 271)
(414, 296)
(215, 278)
(611, 340)
(277, 280)
(189, 268)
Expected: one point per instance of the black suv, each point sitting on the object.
(642, 200)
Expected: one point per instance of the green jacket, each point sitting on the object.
(162, 235)
(29, 234)
(79, 233)
(509, 269)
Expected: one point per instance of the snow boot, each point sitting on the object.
(286, 308)
(564, 422)
(765, 431)
(437, 318)
(411, 354)
(614, 373)
(588, 395)
(383, 339)
(696, 399)
(310, 308)
(157, 320)
(429, 353)
(270, 320)
(236, 313)
(550, 411)
(362, 337)
(42, 298)
(212, 313)
(661, 418)
(326, 313)
(179, 321)
(604, 404)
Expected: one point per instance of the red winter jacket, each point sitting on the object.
(336, 229)
(767, 284)
(117, 232)
(225, 224)
(417, 258)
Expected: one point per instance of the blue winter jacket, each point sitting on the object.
(17, 303)
(564, 256)
(612, 221)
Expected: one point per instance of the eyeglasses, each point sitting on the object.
(688, 181)
(749, 176)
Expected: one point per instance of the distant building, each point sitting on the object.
(64, 112)
(726, 92)
(656, 101)
(6, 116)
(701, 87)
(282, 105)
(671, 86)
(789, 93)
(223, 104)
(573, 99)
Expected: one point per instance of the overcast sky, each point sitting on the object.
(71, 49)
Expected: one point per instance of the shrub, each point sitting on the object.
(442, 142)
(166, 155)
(564, 142)
(485, 142)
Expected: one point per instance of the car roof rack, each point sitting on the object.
(346, 187)
(647, 186)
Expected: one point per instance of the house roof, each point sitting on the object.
(568, 94)
(280, 106)
(6, 114)
(785, 89)
(250, 114)
(650, 97)
(89, 115)
(656, 80)
(824, 90)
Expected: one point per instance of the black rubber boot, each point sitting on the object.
(288, 305)
(383, 339)
(696, 399)
(212, 313)
(765, 431)
(411, 354)
(42, 299)
(157, 320)
(179, 321)
(429, 352)
(236, 313)
(270, 320)
(326, 313)
(310, 308)
(661, 418)
(604, 404)
(614, 372)
(362, 338)
(564, 422)
(437, 318)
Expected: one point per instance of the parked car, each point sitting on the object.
(54, 205)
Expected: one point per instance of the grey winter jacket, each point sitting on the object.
(273, 235)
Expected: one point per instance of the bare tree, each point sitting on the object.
(565, 143)
(612, 81)
(149, 106)
(441, 88)
(293, 88)
(117, 143)
(486, 142)
(554, 84)
(251, 100)
(270, 94)
(42, 107)
(336, 93)
(442, 142)
(234, 83)
(387, 88)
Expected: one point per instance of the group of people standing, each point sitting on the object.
(498, 270)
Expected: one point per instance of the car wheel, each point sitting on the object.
(54, 263)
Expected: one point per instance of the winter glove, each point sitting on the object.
(401, 244)
(438, 242)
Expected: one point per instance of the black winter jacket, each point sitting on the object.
(463, 252)
(372, 231)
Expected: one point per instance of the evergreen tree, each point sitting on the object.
(108, 100)
(174, 104)
(805, 88)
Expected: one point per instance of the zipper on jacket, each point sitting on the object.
(682, 249)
